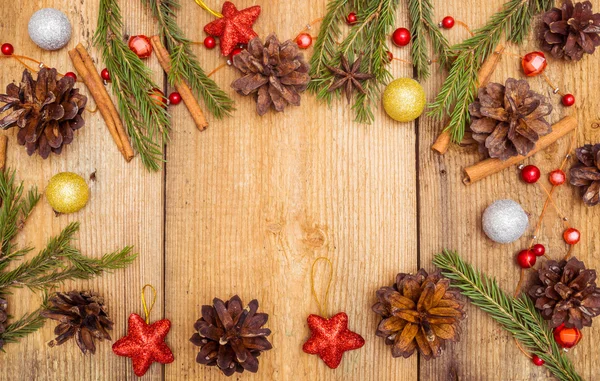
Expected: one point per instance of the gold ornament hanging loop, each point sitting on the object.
(203, 5)
(322, 306)
(144, 305)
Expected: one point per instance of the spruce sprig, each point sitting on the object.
(518, 316)
(146, 120)
(184, 63)
(422, 24)
(460, 87)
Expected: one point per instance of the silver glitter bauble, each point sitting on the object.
(504, 221)
(49, 28)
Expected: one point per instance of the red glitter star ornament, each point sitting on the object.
(330, 338)
(235, 27)
(144, 344)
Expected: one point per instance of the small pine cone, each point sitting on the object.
(3, 317)
(81, 315)
(586, 173)
(231, 337)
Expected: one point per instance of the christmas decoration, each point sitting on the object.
(105, 74)
(46, 122)
(571, 30)
(419, 312)
(275, 73)
(504, 221)
(140, 45)
(7, 49)
(566, 293)
(145, 342)
(174, 98)
(530, 174)
(585, 174)
(568, 100)
(404, 99)
(158, 97)
(230, 336)
(304, 40)
(571, 236)
(81, 315)
(517, 316)
(210, 42)
(526, 259)
(235, 27)
(567, 337)
(72, 75)
(401, 37)
(509, 120)
(330, 338)
(447, 22)
(49, 28)
(56, 263)
(557, 177)
(349, 78)
(3, 318)
(234, 53)
(351, 19)
(538, 249)
(537, 361)
(534, 64)
(67, 192)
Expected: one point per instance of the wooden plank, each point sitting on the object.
(453, 214)
(251, 202)
(126, 208)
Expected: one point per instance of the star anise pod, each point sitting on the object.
(586, 173)
(349, 76)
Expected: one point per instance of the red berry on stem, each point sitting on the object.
(390, 56)
(210, 42)
(537, 360)
(557, 177)
(526, 259)
(141, 46)
(71, 74)
(158, 97)
(401, 37)
(571, 236)
(351, 18)
(7, 49)
(568, 100)
(567, 337)
(448, 22)
(105, 74)
(534, 64)
(304, 40)
(175, 98)
(235, 52)
(530, 174)
(538, 250)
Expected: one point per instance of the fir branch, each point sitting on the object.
(518, 316)
(460, 87)
(26, 325)
(147, 122)
(184, 63)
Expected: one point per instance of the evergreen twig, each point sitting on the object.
(460, 87)
(27, 324)
(518, 316)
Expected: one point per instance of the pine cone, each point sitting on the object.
(586, 173)
(230, 336)
(419, 312)
(508, 120)
(3, 317)
(81, 315)
(47, 111)
(277, 73)
(571, 31)
(566, 292)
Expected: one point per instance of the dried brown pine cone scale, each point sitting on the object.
(586, 173)
(3, 318)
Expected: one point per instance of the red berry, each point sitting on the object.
(210, 42)
(568, 100)
(105, 74)
(175, 98)
(557, 177)
(304, 40)
(448, 22)
(538, 250)
(537, 360)
(390, 56)
(351, 18)
(567, 337)
(158, 97)
(401, 37)
(571, 236)
(141, 46)
(7, 49)
(526, 259)
(534, 64)
(235, 52)
(530, 174)
(72, 75)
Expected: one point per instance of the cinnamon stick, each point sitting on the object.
(3, 144)
(442, 143)
(488, 167)
(184, 90)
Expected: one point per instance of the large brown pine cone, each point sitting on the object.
(571, 30)
(566, 292)
(81, 315)
(46, 110)
(276, 73)
(508, 120)
(230, 336)
(419, 312)
(586, 173)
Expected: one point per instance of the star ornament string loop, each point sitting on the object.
(144, 305)
(322, 304)
(203, 5)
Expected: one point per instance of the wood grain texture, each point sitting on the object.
(247, 205)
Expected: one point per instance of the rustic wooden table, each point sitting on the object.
(246, 206)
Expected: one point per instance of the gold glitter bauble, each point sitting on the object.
(404, 99)
(67, 192)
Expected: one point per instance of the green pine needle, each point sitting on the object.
(518, 316)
